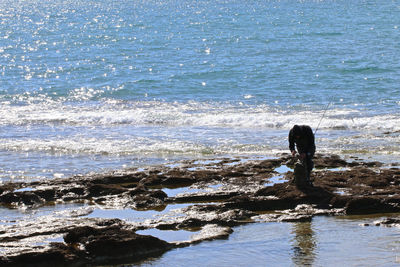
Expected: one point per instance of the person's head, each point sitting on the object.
(296, 131)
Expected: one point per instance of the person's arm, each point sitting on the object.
(291, 142)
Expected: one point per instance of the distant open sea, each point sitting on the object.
(88, 86)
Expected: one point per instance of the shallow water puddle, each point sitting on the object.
(13, 216)
(342, 192)
(173, 192)
(135, 215)
(325, 241)
(338, 169)
(58, 238)
(173, 165)
(25, 189)
(234, 163)
(169, 235)
(276, 180)
(207, 162)
(283, 169)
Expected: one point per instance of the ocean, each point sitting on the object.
(90, 86)
(93, 85)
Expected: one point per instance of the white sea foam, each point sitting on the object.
(229, 144)
(143, 128)
(102, 146)
(190, 114)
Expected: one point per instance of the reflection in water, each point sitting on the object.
(303, 244)
(327, 241)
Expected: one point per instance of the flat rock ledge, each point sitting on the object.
(215, 195)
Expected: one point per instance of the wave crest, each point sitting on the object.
(196, 114)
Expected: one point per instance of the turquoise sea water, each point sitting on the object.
(92, 85)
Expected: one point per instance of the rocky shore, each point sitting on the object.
(217, 194)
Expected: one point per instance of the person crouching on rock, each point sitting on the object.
(303, 137)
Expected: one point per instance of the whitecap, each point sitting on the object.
(197, 114)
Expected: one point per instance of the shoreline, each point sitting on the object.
(214, 196)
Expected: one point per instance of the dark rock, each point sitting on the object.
(158, 194)
(219, 196)
(182, 181)
(296, 218)
(93, 246)
(75, 190)
(260, 204)
(97, 190)
(268, 164)
(48, 194)
(390, 221)
(369, 205)
(17, 198)
(204, 175)
(119, 178)
(149, 199)
(373, 164)
(192, 223)
(167, 226)
(339, 201)
(115, 244)
(58, 255)
(75, 235)
(140, 189)
(353, 164)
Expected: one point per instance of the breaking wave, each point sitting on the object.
(196, 114)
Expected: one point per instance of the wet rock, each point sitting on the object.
(205, 197)
(75, 190)
(21, 198)
(243, 195)
(9, 187)
(301, 213)
(208, 232)
(373, 164)
(268, 164)
(199, 216)
(96, 190)
(92, 246)
(300, 175)
(151, 180)
(115, 244)
(329, 161)
(140, 189)
(294, 196)
(119, 178)
(149, 199)
(57, 255)
(46, 194)
(296, 218)
(192, 223)
(388, 222)
(369, 205)
(339, 201)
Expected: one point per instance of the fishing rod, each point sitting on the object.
(323, 115)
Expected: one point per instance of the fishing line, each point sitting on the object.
(323, 115)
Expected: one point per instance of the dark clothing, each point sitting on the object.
(309, 165)
(303, 137)
(306, 141)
